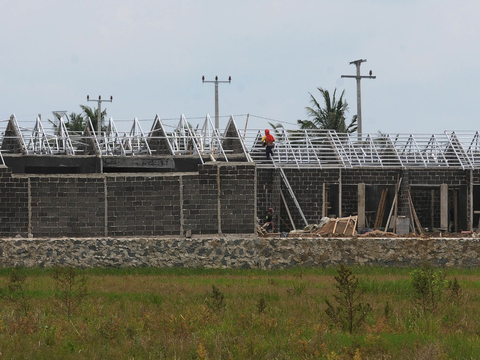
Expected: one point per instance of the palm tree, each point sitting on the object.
(92, 114)
(75, 122)
(331, 117)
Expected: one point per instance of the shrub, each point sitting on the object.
(16, 291)
(215, 300)
(350, 312)
(71, 288)
(428, 287)
(455, 292)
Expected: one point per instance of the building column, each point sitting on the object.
(361, 205)
(444, 207)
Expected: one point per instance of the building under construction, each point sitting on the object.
(180, 179)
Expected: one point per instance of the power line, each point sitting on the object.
(265, 118)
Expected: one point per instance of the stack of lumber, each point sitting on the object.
(345, 226)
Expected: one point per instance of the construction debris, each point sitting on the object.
(340, 226)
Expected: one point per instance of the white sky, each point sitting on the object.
(151, 55)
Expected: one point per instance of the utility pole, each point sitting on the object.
(359, 95)
(216, 82)
(99, 112)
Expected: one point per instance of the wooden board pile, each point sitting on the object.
(345, 226)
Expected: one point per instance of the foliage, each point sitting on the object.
(350, 312)
(92, 113)
(455, 291)
(297, 288)
(71, 288)
(215, 300)
(261, 305)
(428, 287)
(75, 122)
(332, 116)
(16, 291)
(161, 313)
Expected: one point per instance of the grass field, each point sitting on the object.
(231, 314)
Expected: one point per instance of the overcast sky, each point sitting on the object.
(151, 55)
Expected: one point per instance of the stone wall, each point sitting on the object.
(246, 252)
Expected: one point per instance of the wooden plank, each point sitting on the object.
(381, 209)
(335, 227)
(288, 210)
(455, 210)
(346, 226)
(397, 189)
(414, 213)
(393, 206)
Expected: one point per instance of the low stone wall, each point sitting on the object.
(248, 252)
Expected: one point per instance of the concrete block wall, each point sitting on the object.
(370, 176)
(439, 176)
(268, 194)
(237, 198)
(218, 198)
(14, 197)
(200, 192)
(66, 205)
(142, 205)
(307, 185)
(423, 201)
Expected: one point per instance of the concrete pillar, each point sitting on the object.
(470, 202)
(361, 205)
(324, 200)
(339, 193)
(444, 207)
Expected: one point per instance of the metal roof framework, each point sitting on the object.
(309, 148)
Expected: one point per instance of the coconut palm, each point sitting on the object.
(92, 114)
(330, 117)
(75, 122)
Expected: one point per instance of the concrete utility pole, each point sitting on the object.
(216, 82)
(99, 112)
(359, 96)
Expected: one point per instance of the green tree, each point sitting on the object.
(92, 114)
(76, 122)
(70, 288)
(330, 117)
(350, 312)
(16, 291)
(429, 286)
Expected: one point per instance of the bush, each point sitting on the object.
(350, 312)
(428, 288)
(71, 288)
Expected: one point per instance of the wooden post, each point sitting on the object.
(340, 193)
(324, 200)
(361, 205)
(432, 205)
(397, 188)
(455, 210)
(444, 207)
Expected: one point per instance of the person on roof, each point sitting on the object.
(269, 142)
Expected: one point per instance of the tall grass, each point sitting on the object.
(171, 314)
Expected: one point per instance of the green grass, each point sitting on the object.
(150, 313)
